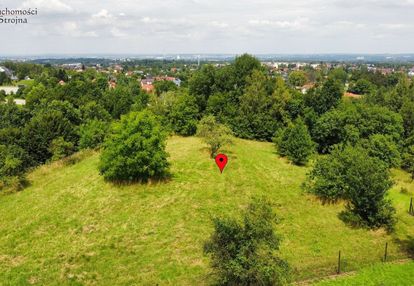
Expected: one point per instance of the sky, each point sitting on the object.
(210, 26)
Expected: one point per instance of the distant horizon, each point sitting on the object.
(315, 57)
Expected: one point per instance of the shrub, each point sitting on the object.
(363, 181)
(244, 252)
(135, 149)
(42, 129)
(92, 134)
(13, 163)
(384, 148)
(296, 143)
(214, 134)
(59, 148)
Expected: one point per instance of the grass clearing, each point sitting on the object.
(381, 274)
(70, 227)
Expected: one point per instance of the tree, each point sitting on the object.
(362, 86)
(254, 120)
(184, 115)
(92, 134)
(135, 149)
(323, 98)
(383, 148)
(94, 111)
(59, 148)
(162, 86)
(201, 85)
(363, 181)
(40, 131)
(339, 74)
(214, 134)
(296, 143)
(14, 161)
(297, 78)
(118, 101)
(245, 252)
(244, 66)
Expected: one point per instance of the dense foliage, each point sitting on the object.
(359, 179)
(135, 149)
(244, 252)
(295, 143)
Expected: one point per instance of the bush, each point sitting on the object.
(184, 114)
(214, 134)
(92, 134)
(296, 143)
(59, 148)
(13, 163)
(363, 181)
(135, 149)
(42, 129)
(244, 252)
(384, 148)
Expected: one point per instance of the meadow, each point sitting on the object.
(70, 227)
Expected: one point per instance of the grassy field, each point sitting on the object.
(381, 274)
(69, 227)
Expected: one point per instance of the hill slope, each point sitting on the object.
(72, 228)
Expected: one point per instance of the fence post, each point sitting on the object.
(339, 263)
(386, 252)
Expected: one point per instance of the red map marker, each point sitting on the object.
(221, 161)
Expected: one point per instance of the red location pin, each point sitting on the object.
(221, 161)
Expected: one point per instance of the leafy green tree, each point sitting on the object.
(92, 134)
(325, 97)
(362, 86)
(59, 148)
(254, 120)
(13, 161)
(184, 115)
(338, 74)
(244, 66)
(363, 181)
(351, 121)
(407, 113)
(94, 111)
(214, 134)
(135, 149)
(12, 115)
(42, 129)
(36, 95)
(297, 78)
(201, 85)
(296, 143)
(162, 86)
(244, 252)
(118, 101)
(384, 148)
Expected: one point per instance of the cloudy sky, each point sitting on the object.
(210, 26)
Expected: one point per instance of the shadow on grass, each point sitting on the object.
(14, 185)
(164, 179)
(227, 152)
(406, 245)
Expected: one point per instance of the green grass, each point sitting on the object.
(72, 228)
(382, 274)
(27, 82)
